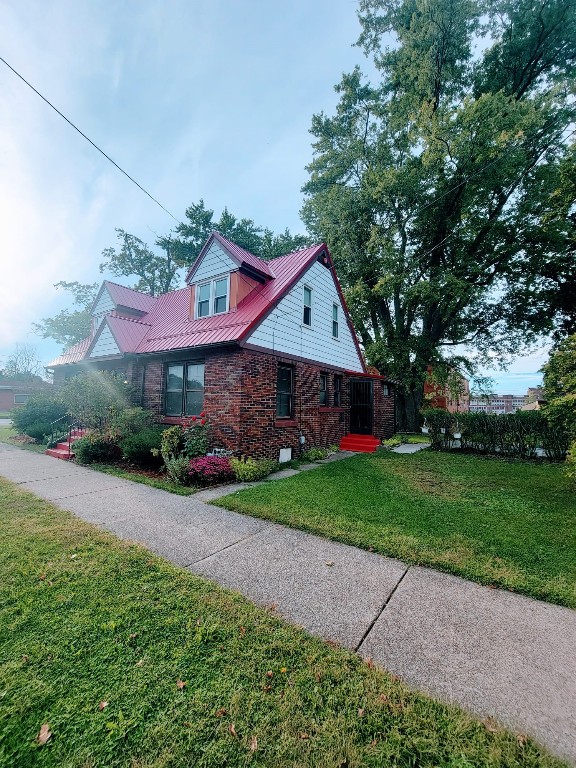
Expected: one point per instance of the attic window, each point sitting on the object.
(307, 314)
(212, 297)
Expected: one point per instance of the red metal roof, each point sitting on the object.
(237, 254)
(167, 325)
(127, 297)
(72, 355)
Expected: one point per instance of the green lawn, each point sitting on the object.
(511, 524)
(7, 432)
(129, 661)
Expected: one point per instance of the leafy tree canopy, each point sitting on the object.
(188, 238)
(22, 364)
(560, 370)
(442, 188)
(70, 326)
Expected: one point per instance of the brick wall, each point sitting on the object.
(240, 400)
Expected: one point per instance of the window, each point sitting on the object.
(337, 391)
(184, 389)
(285, 392)
(212, 298)
(323, 389)
(385, 389)
(307, 314)
(335, 320)
(21, 399)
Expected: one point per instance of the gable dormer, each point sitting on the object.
(222, 276)
(124, 301)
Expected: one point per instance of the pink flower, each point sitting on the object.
(193, 418)
(203, 421)
(203, 414)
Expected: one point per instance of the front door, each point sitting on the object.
(361, 406)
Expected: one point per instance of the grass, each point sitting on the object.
(141, 477)
(413, 438)
(497, 522)
(7, 432)
(131, 662)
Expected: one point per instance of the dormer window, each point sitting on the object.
(212, 297)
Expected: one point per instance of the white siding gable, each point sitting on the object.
(282, 330)
(105, 345)
(102, 307)
(216, 262)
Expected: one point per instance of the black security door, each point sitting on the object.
(361, 407)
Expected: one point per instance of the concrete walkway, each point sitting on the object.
(492, 652)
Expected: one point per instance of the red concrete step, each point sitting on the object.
(59, 453)
(359, 443)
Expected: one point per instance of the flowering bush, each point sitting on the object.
(195, 436)
(210, 470)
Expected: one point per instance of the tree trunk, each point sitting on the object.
(408, 406)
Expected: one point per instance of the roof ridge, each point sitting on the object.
(114, 314)
(126, 288)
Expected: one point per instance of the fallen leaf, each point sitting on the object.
(373, 743)
(360, 712)
(283, 670)
(253, 744)
(180, 684)
(221, 712)
(370, 549)
(383, 698)
(232, 730)
(491, 725)
(267, 688)
(269, 673)
(102, 705)
(522, 738)
(73, 557)
(139, 662)
(133, 635)
(330, 563)
(242, 631)
(273, 606)
(317, 677)
(44, 734)
(25, 659)
(303, 735)
(42, 576)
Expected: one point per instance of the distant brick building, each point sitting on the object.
(496, 403)
(15, 393)
(453, 397)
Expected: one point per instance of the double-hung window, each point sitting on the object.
(285, 392)
(307, 312)
(323, 389)
(184, 389)
(337, 391)
(212, 297)
(335, 321)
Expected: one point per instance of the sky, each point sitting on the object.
(195, 99)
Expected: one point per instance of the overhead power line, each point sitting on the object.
(36, 91)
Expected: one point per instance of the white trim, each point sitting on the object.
(212, 283)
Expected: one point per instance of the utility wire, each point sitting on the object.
(89, 140)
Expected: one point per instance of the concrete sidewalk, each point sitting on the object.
(492, 652)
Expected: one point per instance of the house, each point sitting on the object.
(15, 392)
(266, 349)
(498, 404)
(454, 396)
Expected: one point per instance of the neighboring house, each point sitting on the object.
(17, 392)
(266, 349)
(453, 397)
(496, 403)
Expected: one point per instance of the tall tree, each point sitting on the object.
(427, 184)
(69, 327)
(189, 236)
(157, 273)
(22, 364)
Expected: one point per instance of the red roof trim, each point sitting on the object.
(346, 312)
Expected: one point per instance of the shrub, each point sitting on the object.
(40, 409)
(95, 448)
(130, 421)
(195, 436)
(210, 470)
(178, 469)
(441, 425)
(561, 414)
(314, 454)
(249, 470)
(138, 447)
(172, 443)
(40, 430)
(96, 398)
